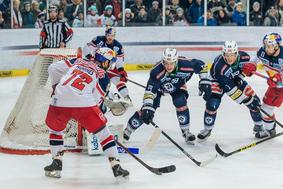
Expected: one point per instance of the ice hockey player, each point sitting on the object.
(227, 77)
(169, 76)
(81, 86)
(109, 41)
(271, 56)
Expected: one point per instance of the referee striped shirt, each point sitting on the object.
(53, 33)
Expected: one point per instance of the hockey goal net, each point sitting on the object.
(25, 131)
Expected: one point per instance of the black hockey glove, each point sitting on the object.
(204, 88)
(147, 114)
(253, 103)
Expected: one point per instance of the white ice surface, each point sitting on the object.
(258, 167)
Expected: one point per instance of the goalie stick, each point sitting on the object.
(226, 154)
(158, 171)
(198, 163)
(152, 141)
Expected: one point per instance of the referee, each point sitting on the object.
(55, 33)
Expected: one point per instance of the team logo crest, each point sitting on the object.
(182, 119)
(209, 120)
(135, 123)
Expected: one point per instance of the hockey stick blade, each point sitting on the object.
(167, 169)
(205, 163)
(152, 141)
(225, 154)
(158, 171)
(198, 163)
(161, 170)
(221, 152)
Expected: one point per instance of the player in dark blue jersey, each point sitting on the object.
(271, 56)
(169, 76)
(109, 41)
(227, 77)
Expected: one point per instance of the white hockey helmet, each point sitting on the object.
(170, 55)
(110, 31)
(230, 47)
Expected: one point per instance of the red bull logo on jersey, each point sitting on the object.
(109, 54)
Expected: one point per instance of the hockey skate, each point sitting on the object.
(257, 128)
(265, 133)
(204, 134)
(189, 137)
(126, 135)
(120, 174)
(54, 169)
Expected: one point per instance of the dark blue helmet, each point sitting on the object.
(110, 31)
(272, 39)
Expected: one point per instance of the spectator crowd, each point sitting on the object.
(101, 13)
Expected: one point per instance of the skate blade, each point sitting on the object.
(121, 179)
(53, 174)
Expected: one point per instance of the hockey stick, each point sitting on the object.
(265, 77)
(148, 146)
(260, 75)
(198, 163)
(152, 141)
(158, 171)
(226, 154)
(132, 81)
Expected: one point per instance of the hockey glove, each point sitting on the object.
(147, 114)
(204, 88)
(123, 74)
(249, 68)
(274, 80)
(253, 103)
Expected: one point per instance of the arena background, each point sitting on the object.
(143, 45)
